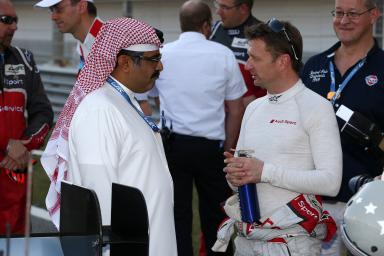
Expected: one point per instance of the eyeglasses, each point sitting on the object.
(277, 27)
(6, 19)
(224, 7)
(155, 58)
(140, 55)
(351, 15)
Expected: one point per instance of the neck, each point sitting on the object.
(118, 77)
(284, 83)
(356, 50)
(123, 79)
(83, 28)
(241, 21)
(349, 54)
(245, 18)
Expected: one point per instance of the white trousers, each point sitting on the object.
(298, 246)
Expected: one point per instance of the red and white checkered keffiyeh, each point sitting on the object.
(114, 35)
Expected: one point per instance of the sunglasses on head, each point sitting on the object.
(277, 26)
(6, 19)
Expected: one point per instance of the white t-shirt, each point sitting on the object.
(109, 142)
(198, 77)
(296, 135)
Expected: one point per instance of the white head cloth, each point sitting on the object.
(115, 35)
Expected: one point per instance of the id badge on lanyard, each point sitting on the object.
(333, 95)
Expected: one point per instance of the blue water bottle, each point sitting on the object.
(249, 204)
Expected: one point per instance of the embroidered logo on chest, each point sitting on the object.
(274, 99)
(286, 122)
(233, 32)
(240, 43)
(317, 75)
(371, 80)
(14, 70)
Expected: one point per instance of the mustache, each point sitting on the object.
(156, 75)
(10, 35)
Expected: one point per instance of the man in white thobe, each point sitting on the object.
(108, 137)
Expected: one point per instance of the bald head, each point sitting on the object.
(193, 15)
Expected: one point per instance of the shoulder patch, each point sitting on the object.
(28, 55)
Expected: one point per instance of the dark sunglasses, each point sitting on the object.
(5, 19)
(277, 27)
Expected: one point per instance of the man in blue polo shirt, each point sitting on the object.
(351, 75)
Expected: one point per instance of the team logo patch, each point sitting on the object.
(371, 80)
(233, 32)
(240, 43)
(282, 121)
(14, 70)
(274, 98)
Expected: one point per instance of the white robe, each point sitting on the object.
(110, 142)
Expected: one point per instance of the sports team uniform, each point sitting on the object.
(26, 114)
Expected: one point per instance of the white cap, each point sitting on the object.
(49, 3)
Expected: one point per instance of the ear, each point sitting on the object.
(124, 62)
(206, 29)
(374, 14)
(284, 61)
(82, 6)
(244, 9)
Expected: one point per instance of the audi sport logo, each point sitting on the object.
(275, 121)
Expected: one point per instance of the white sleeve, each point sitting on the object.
(236, 87)
(325, 145)
(96, 144)
(240, 142)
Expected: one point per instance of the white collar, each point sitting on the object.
(191, 35)
(291, 92)
(130, 93)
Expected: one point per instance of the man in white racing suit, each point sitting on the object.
(297, 153)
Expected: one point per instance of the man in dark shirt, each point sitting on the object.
(350, 74)
(25, 118)
(235, 17)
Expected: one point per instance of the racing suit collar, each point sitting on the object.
(288, 94)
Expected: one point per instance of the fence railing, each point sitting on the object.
(58, 83)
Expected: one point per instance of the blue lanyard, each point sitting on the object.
(332, 88)
(81, 63)
(147, 119)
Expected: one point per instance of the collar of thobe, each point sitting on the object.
(129, 97)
